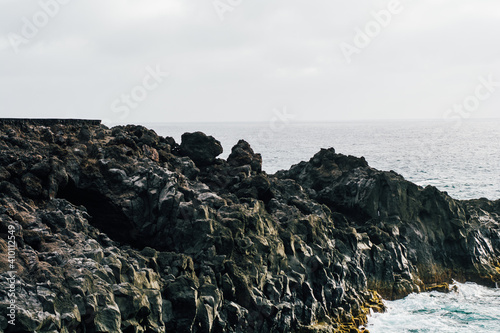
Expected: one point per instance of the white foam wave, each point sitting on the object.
(472, 308)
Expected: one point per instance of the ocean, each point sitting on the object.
(459, 157)
(462, 159)
(471, 308)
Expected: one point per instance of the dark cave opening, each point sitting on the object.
(105, 216)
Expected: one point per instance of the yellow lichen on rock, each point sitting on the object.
(353, 322)
(442, 287)
(375, 302)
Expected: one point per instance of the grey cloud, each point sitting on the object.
(263, 55)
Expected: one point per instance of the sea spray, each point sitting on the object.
(471, 308)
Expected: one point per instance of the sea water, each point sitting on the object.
(471, 308)
(461, 158)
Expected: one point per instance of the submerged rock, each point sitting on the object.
(121, 230)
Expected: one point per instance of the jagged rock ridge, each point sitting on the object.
(121, 230)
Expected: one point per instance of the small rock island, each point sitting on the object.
(122, 230)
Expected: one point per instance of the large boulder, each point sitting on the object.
(201, 148)
(242, 154)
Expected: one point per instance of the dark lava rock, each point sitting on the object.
(202, 149)
(121, 230)
(414, 236)
(242, 154)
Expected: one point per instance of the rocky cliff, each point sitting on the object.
(122, 230)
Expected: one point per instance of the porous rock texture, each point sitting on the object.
(122, 230)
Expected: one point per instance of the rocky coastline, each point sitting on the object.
(121, 230)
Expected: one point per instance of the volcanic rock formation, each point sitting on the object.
(122, 230)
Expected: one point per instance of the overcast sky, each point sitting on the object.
(238, 60)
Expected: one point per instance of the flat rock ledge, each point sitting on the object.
(122, 230)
